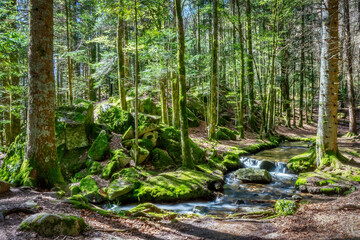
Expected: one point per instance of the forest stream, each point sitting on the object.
(241, 197)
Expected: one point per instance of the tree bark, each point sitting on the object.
(326, 141)
(120, 55)
(187, 161)
(40, 167)
(69, 62)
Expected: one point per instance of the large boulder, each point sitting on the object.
(99, 147)
(115, 119)
(161, 160)
(4, 187)
(118, 161)
(74, 124)
(147, 106)
(267, 165)
(118, 188)
(253, 175)
(49, 225)
(223, 133)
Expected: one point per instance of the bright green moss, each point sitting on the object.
(286, 207)
(88, 185)
(259, 147)
(115, 119)
(224, 133)
(161, 160)
(99, 147)
(302, 163)
(192, 119)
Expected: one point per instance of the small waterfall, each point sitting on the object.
(278, 167)
(250, 162)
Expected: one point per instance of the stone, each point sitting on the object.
(147, 127)
(88, 185)
(161, 160)
(49, 225)
(192, 119)
(152, 136)
(118, 161)
(267, 165)
(30, 204)
(99, 147)
(200, 209)
(95, 197)
(143, 153)
(129, 134)
(148, 106)
(118, 188)
(253, 175)
(4, 187)
(115, 119)
(239, 202)
(75, 136)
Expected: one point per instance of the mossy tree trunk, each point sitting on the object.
(120, 55)
(350, 80)
(40, 167)
(175, 100)
(187, 161)
(213, 97)
(163, 100)
(136, 88)
(302, 69)
(242, 74)
(250, 68)
(69, 61)
(326, 141)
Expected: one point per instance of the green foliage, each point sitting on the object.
(99, 147)
(115, 119)
(286, 207)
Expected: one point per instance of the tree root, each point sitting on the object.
(4, 213)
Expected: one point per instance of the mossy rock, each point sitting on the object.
(13, 160)
(97, 197)
(253, 175)
(118, 188)
(129, 134)
(143, 153)
(94, 168)
(286, 207)
(196, 106)
(118, 161)
(267, 165)
(50, 225)
(115, 119)
(71, 161)
(260, 147)
(231, 162)
(147, 106)
(75, 188)
(147, 118)
(100, 146)
(192, 119)
(146, 128)
(198, 155)
(152, 136)
(302, 163)
(88, 185)
(161, 160)
(223, 133)
(176, 186)
(149, 210)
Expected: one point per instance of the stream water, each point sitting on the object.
(246, 197)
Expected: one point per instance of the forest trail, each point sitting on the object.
(337, 218)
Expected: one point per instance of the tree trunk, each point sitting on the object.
(185, 144)
(302, 69)
(136, 88)
(69, 62)
(213, 103)
(326, 141)
(120, 54)
(350, 81)
(175, 100)
(40, 167)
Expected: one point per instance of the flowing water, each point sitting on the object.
(246, 197)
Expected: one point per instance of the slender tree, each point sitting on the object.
(187, 161)
(120, 54)
(69, 61)
(326, 140)
(40, 167)
(136, 86)
(214, 83)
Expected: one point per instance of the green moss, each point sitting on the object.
(231, 161)
(302, 163)
(99, 147)
(259, 147)
(115, 119)
(174, 186)
(286, 207)
(147, 106)
(161, 160)
(88, 185)
(192, 119)
(224, 133)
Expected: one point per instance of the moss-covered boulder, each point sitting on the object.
(146, 128)
(94, 167)
(147, 106)
(253, 175)
(100, 146)
(175, 186)
(118, 161)
(50, 225)
(118, 188)
(88, 185)
(192, 118)
(196, 106)
(129, 134)
(161, 160)
(13, 160)
(231, 162)
(143, 153)
(149, 210)
(223, 133)
(147, 118)
(74, 124)
(267, 165)
(115, 119)
(302, 163)
(286, 207)
(71, 161)
(152, 136)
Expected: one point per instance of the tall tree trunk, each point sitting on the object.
(250, 67)
(136, 88)
(40, 167)
(187, 161)
(213, 104)
(175, 100)
(69, 62)
(350, 80)
(120, 54)
(163, 99)
(326, 140)
(302, 69)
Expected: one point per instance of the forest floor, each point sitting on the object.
(337, 218)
